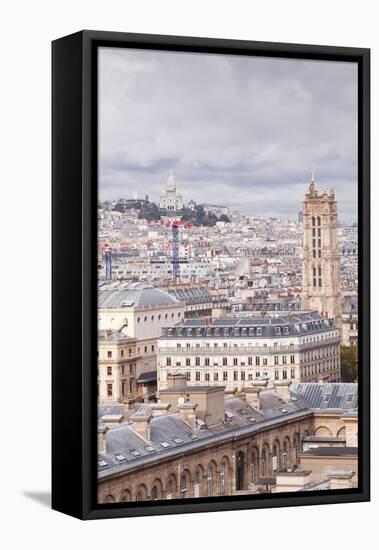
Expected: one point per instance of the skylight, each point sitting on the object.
(135, 453)
(120, 457)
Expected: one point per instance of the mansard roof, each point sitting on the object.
(299, 324)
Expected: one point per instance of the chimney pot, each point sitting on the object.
(252, 392)
(160, 408)
(175, 380)
(141, 424)
(187, 413)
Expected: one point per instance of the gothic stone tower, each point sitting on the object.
(321, 262)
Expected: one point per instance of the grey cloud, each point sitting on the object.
(241, 131)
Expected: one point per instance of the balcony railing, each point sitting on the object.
(246, 350)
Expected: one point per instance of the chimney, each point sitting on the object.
(340, 478)
(175, 380)
(160, 408)
(127, 411)
(282, 388)
(187, 413)
(252, 393)
(101, 438)
(141, 423)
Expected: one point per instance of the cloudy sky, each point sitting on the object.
(245, 132)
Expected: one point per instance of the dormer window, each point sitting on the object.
(251, 331)
(278, 331)
(217, 332)
(209, 331)
(226, 332)
(236, 332)
(189, 332)
(199, 331)
(259, 331)
(244, 332)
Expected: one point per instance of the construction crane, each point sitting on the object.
(175, 226)
(175, 252)
(108, 265)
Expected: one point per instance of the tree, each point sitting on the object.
(149, 211)
(349, 363)
(119, 207)
(224, 218)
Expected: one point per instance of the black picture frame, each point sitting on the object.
(74, 295)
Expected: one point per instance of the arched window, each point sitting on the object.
(285, 455)
(264, 463)
(183, 487)
(171, 487)
(196, 483)
(240, 471)
(210, 481)
(276, 457)
(125, 496)
(141, 493)
(296, 448)
(254, 466)
(109, 499)
(154, 493)
(222, 479)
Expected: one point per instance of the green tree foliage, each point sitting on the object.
(119, 207)
(349, 363)
(149, 211)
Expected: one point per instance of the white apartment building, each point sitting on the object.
(300, 347)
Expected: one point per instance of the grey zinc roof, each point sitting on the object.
(135, 294)
(299, 324)
(327, 396)
(111, 409)
(123, 440)
(191, 295)
(108, 335)
(170, 430)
